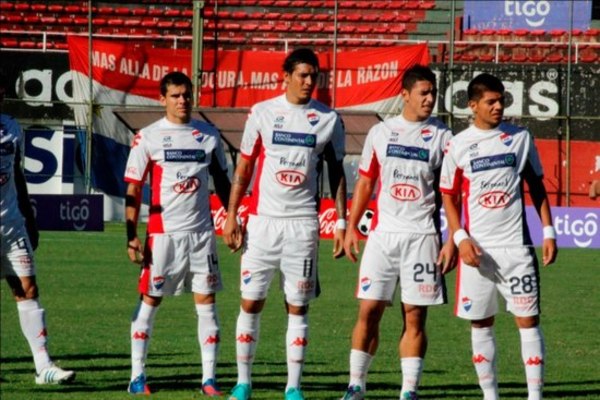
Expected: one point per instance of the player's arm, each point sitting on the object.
(24, 202)
(337, 184)
(467, 249)
(363, 189)
(447, 256)
(539, 197)
(133, 200)
(232, 232)
(220, 180)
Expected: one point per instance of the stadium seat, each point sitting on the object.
(133, 22)
(72, 9)
(380, 5)
(11, 43)
(80, 21)
(297, 28)
(363, 30)
(520, 58)
(55, 8)
(249, 27)
(182, 24)
(486, 57)
(27, 44)
(164, 24)
(6, 6)
(322, 17)
(370, 17)
(592, 35)
(314, 29)
(314, 4)
(139, 12)
(39, 7)
(31, 19)
(172, 12)
(48, 20)
(149, 23)
(124, 11)
(240, 15)
(115, 22)
(21, 7)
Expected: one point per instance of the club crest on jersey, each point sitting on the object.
(246, 276)
(467, 303)
(313, 118)
(506, 139)
(158, 281)
(365, 283)
(198, 135)
(426, 134)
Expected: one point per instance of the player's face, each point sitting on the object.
(488, 110)
(300, 83)
(178, 103)
(419, 101)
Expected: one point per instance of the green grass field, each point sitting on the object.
(88, 289)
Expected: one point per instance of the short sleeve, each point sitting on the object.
(138, 160)
(251, 139)
(369, 165)
(451, 174)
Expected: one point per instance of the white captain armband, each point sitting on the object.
(549, 232)
(340, 224)
(459, 236)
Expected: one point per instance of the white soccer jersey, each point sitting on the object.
(177, 157)
(288, 142)
(485, 167)
(403, 155)
(11, 140)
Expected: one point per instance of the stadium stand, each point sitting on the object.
(268, 24)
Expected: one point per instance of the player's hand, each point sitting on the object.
(549, 251)
(232, 233)
(351, 241)
(338, 243)
(135, 250)
(447, 258)
(469, 252)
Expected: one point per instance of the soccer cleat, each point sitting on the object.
(139, 386)
(54, 375)
(354, 393)
(294, 394)
(211, 389)
(409, 396)
(241, 391)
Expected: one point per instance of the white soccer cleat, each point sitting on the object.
(54, 375)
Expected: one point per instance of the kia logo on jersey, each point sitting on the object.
(506, 139)
(190, 185)
(426, 134)
(313, 118)
(405, 192)
(494, 199)
(290, 177)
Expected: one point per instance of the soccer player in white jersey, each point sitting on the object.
(484, 170)
(287, 138)
(19, 238)
(402, 157)
(178, 153)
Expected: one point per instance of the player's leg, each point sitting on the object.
(296, 339)
(142, 324)
(413, 346)
(19, 269)
(205, 278)
(521, 291)
(477, 301)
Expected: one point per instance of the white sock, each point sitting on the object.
(533, 352)
(296, 340)
(246, 336)
(141, 331)
(33, 325)
(411, 373)
(360, 362)
(208, 337)
(483, 342)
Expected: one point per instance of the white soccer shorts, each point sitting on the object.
(288, 245)
(178, 262)
(405, 259)
(512, 272)
(17, 254)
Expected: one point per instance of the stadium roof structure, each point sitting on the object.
(230, 122)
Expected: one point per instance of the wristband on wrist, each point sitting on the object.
(238, 220)
(549, 232)
(340, 224)
(459, 236)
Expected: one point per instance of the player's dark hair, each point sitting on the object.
(300, 56)
(417, 73)
(174, 78)
(483, 83)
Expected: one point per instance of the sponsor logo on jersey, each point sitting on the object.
(466, 303)
(185, 155)
(7, 148)
(4, 177)
(198, 135)
(399, 175)
(290, 177)
(292, 164)
(189, 185)
(313, 118)
(508, 160)
(365, 283)
(426, 134)
(295, 139)
(506, 139)
(405, 192)
(246, 276)
(158, 281)
(167, 142)
(494, 199)
(407, 152)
